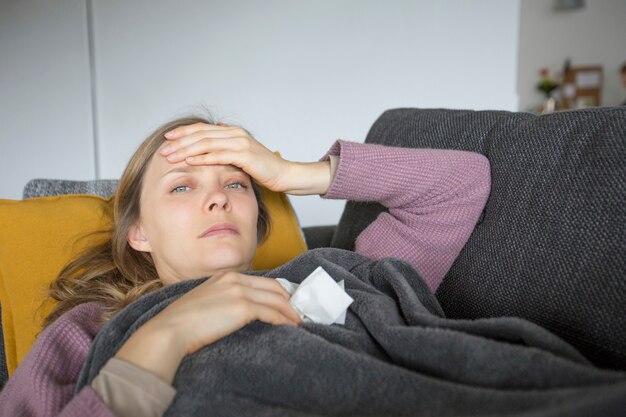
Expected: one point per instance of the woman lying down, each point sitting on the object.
(188, 207)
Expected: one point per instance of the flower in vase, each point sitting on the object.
(547, 84)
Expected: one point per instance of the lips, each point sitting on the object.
(220, 229)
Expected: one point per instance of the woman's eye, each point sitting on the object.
(237, 185)
(180, 188)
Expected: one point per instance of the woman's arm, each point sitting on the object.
(214, 309)
(130, 391)
(434, 197)
(204, 144)
(43, 383)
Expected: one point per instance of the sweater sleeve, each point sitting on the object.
(434, 199)
(43, 383)
(130, 390)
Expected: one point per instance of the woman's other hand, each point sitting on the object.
(214, 309)
(206, 144)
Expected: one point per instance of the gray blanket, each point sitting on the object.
(396, 355)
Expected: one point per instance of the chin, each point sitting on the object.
(227, 261)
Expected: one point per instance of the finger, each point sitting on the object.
(264, 283)
(237, 292)
(208, 145)
(263, 309)
(200, 148)
(188, 129)
(271, 316)
(253, 281)
(208, 138)
(273, 300)
(216, 158)
(180, 142)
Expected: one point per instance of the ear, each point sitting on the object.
(137, 239)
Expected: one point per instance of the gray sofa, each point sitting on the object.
(551, 244)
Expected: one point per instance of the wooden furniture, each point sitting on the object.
(582, 87)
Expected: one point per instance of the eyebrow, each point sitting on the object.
(187, 169)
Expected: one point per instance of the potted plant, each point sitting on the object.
(547, 85)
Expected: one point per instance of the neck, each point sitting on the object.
(172, 277)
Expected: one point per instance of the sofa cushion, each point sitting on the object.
(551, 245)
(39, 236)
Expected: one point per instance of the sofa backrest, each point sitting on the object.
(41, 187)
(551, 244)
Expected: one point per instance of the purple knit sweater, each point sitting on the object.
(434, 198)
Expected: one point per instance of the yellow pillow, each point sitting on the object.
(39, 236)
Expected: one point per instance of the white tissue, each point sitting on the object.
(318, 298)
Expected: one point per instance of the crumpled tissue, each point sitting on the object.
(318, 298)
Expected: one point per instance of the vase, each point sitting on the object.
(549, 105)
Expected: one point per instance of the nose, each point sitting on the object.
(217, 200)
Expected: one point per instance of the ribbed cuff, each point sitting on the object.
(129, 390)
(334, 155)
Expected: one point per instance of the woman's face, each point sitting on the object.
(196, 220)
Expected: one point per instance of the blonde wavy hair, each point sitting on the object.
(112, 272)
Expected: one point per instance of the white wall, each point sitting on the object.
(297, 74)
(45, 99)
(595, 34)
